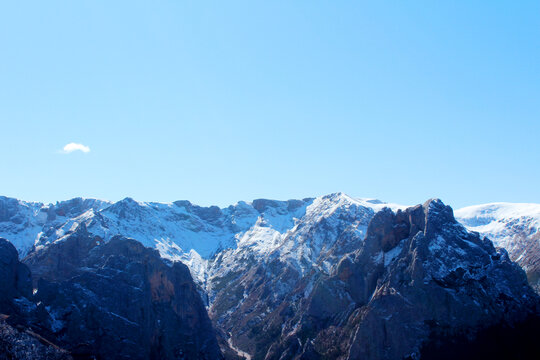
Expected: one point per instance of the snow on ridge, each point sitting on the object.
(500, 210)
(104, 218)
(502, 222)
(325, 219)
(182, 231)
(493, 217)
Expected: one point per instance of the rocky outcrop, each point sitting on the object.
(62, 260)
(14, 278)
(18, 341)
(114, 300)
(74, 207)
(120, 300)
(9, 210)
(418, 276)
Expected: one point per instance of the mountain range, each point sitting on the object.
(331, 277)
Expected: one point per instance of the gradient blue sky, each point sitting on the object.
(220, 101)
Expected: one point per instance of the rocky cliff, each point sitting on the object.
(418, 280)
(17, 338)
(114, 300)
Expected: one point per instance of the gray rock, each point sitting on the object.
(417, 274)
(121, 301)
(15, 280)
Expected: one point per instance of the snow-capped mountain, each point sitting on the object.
(212, 240)
(27, 223)
(308, 278)
(186, 232)
(303, 235)
(371, 291)
(417, 283)
(515, 227)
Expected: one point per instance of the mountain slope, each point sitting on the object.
(17, 341)
(515, 227)
(250, 286)
(418, 275)
(109, 300)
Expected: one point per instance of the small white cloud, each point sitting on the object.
(71, 147)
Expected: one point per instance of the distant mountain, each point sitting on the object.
(180, 230)
(514, 227)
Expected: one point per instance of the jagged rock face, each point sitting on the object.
(9, 209)
(417, 272)
(122, 301)
(253, 297)
(15, 281)
(73, 207)
(526, 253)
(15, 292)
(62, 260)
(251, 309)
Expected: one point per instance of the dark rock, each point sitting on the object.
(292, 205)
(499, 341)
(74, 207)
(63, 259)
(262, 204)
(211, 214)
(418, 274)
(17, 341)
(8, 208)
(24, 344)
(15, 280)
(122, 301)
(183, 203)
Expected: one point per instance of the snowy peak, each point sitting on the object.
(77, 206)
(515, 227)
(25, 223)
(348, 272)
(14, 210)
(501, 219)
(307, 232)
(182, 228)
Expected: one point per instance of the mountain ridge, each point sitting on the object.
(193, 234)
(309, 278)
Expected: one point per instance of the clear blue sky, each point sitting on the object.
(220, 101)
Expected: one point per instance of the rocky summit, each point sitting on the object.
(331, 277)
(417, 276)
